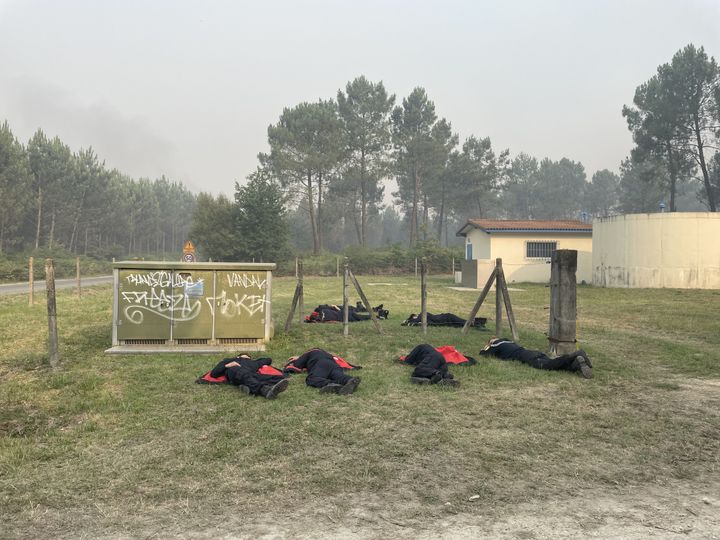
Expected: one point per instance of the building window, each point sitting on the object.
(540, 250)
(468, 252)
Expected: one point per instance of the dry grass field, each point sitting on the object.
(130, 447)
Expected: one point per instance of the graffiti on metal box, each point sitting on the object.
(246, 281)
(177, 297)
(234, 304)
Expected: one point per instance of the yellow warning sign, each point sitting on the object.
(188, 252)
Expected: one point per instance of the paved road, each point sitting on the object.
(21, 288)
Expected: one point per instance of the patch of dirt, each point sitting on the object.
(678, 510)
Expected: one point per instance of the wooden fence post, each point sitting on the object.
(471, 318)
(416, 267)
(423, 296)
(498, 298)
(337, 266)
(293, 305)
(31, 282)
(52, 314)
(365, 301)
(508, 305)
(77, 275)
(563, 302)
(301, 285)
(346, 325)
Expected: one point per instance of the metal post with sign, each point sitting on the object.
(188, 252)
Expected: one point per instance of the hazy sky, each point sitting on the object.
(188, 88)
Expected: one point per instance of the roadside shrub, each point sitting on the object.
(387, 260)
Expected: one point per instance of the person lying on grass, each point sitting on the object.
(244, 372)
(443, 319)
(430, 367)
(506, 349)
(325, 371)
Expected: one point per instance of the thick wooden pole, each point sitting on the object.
(53, 354)
(563, 302)
(31, 282)
(301, 286)
(346, 325)
(423, 296)
(293, 305)
(77, 276)
(498, 297)
(365, 301)
(479, 302)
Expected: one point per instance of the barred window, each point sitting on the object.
(540, 250)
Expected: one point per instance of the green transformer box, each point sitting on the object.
(191, 307)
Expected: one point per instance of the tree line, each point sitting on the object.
(675, 123)
(321, 185)
(330, 159)
(52, 197)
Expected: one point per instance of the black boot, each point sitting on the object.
(451, 383)
(582, 365)
(330, 388)
(349, 387)
(479, 322)
(271, 391)
(582, 353)
(419, 380)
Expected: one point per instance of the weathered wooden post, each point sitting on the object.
(346, 325)
(31, 282)
(296, 267)
(498, 297)
(365, 300)
(480, 300)
(453, 269)
(563, 302)
(337, 266)
(52, 314)
(508, 305)
(423, 296)
(416, 266)
(301, 286)
(77, 276)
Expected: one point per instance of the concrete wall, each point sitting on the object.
(517, 267)
(673, 249)
(481, 243)
(469, 274)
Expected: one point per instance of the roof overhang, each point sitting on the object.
(469, 226)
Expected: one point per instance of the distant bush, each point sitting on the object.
(14, 267)
(394, 259)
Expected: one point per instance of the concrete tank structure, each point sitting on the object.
(665, 250)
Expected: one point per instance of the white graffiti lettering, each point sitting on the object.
(161, 278)
(178, 307)
(243, 280)
(233, 305)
